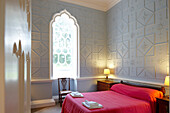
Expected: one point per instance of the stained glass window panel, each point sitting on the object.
(65, 46)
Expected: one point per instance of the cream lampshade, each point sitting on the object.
(166, 82)
(106, 72)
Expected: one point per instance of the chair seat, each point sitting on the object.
(65, 92)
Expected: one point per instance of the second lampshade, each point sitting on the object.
(106, 72)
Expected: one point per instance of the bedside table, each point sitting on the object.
(162, 105)
(104, 85)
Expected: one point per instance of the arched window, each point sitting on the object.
(64, 46)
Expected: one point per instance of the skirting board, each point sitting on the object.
(42, 103)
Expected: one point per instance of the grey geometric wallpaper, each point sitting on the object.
(92, 37)
(133, 34)
(138, 39)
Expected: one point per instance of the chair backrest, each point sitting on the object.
(63, 83)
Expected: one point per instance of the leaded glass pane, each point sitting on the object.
(62, 58)
(64, 41)
(55, 59)
(68, 59)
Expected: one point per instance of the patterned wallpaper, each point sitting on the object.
(138, 39)
(92, 37)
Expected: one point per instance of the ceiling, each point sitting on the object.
(103, 5)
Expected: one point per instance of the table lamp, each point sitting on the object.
(166, 82)
(106, 72)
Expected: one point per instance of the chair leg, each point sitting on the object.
(60, 104)
(60, 100)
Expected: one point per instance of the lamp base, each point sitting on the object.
(106, 77)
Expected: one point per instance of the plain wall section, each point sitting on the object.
(41, 90)
(87, 85)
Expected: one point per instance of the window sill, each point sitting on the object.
(41, 80)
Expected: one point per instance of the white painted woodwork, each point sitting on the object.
(14, 78)
(103, 5)
(167, 89)
(2, 77)
(111, 3)
(21, 83)
(42, 103)
(28, 84)
(41, 80)
(169, 30)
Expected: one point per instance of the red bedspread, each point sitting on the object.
(112, 102)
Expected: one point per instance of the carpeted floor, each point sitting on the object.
(54, 109)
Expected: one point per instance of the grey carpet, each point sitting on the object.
(54, 109)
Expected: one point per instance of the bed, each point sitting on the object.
(122, 98)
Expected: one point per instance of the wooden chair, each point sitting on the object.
(63, 88)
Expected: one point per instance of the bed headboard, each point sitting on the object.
(145, 85)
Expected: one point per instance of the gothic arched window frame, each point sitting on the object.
(51, 74)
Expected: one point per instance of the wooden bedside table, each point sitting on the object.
(104, 85)
(162, 105)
